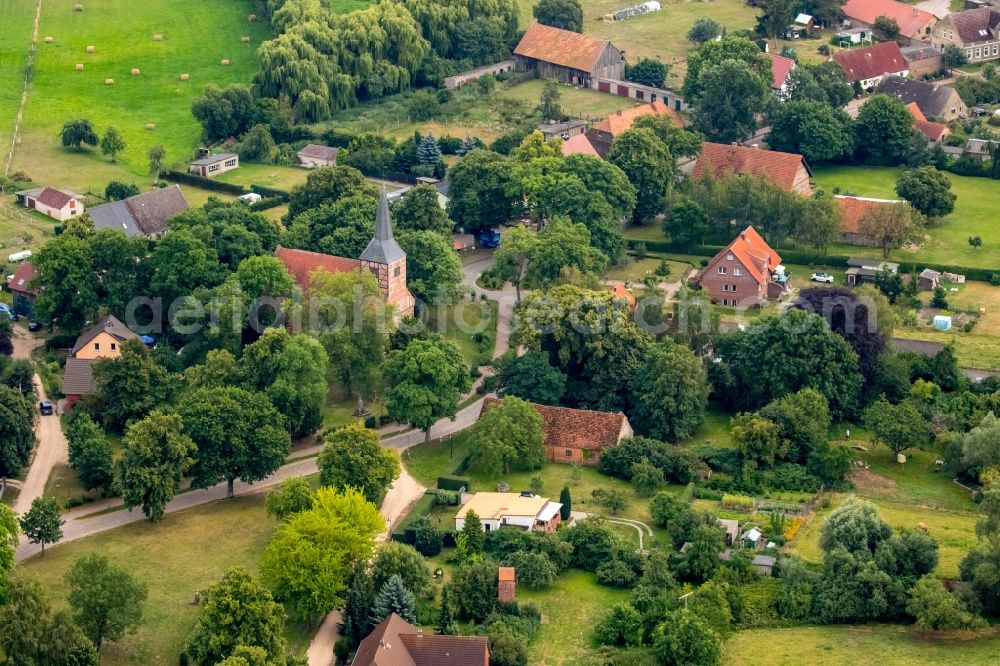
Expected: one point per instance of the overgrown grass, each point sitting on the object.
(464, 323)
(196, 37)
(884, 645)
(184, 553)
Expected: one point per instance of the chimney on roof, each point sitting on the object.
(743, 235)
(618, 112)
(734, 144)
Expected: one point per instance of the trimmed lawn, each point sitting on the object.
(184, 553)
(15, 40)
(21, 229)
(570, 609)
(280, 177)
(974, 350)
(884, 645)
(577, 102)
(123, 39)
(462, 323)
(976, 295)
(634, 270)
(946, 242)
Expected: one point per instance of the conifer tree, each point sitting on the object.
(394, 598)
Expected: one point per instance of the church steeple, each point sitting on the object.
(383, 248)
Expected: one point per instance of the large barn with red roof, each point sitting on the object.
(568, 56)
(915, 25)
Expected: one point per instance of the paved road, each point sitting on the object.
(50, 446)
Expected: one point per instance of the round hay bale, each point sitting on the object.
(135, 72)
(185, 77)
(252, 18)
(79, 66)
(245, 39)
(77, 8)
(48, 39)
(109, 82)
(157, 38)
(90, 49)
(225, 61)
(151, 126)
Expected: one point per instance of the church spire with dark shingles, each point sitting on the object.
(383, 248)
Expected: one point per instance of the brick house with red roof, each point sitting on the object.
(915, 25)
(786, 170)
(383, 257)
(567, 56)
(57, 204)
(577, 435)
(932, 131)
(603, 133)
(870, 64)
(852, 211)
(578, 144)
(396, 642)
(21, 290)
(740, 275)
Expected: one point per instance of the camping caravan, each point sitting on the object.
(19, 256)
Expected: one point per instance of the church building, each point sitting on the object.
(383, 257)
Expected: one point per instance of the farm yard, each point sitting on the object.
(123, 39)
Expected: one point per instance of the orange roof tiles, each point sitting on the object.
(911, 20)
(21, 280)
(930, 129)
(566, 427)
(780, 68)
(781, 168)
(506, 573)
(622, 120)
(301, 263)
(561, 47)
(621, 291)
(754, 253)
(854, 209)
(578, 144)
(872, 61)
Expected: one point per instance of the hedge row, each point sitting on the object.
(450, 482)
(204, 183)
(265, 191)
(810, 258)
(266, 204)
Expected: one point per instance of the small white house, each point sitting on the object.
(525, 511)
(213, 165)
(57, 204)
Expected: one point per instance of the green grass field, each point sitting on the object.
(15, 40)
(871, 645)
(196, 37)
(177, 557)
(280, 177)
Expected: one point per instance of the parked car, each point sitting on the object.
(822, 277)
(45, 408)
(6, 309)
(34, 326)
(490, 238)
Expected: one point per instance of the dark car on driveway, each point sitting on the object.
(45, 408)
(34, 326)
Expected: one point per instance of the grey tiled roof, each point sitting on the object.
(146, 214)
(78, 376)
(931, 99)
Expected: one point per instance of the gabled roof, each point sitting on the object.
(561, 47)
(318, 152)
(919, 52)
(53, 198)
(383, 248)
(111, 325)
(440, 650)
(854, 209)
(302, 263)
(932, 99)
(621, 291)
(507, 574)
(911, 20)
(932, 131)
(872, 61)
(78, 376)
(145, 214)
(214, 159)
(21, 280)
(566, 427)
(621, 120)
(720, 159)
(578, 144)
(780, 68)
(976, 25)
(753, 252)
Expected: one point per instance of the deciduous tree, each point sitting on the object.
(563, 14)
(648, 72)
(884, 130)
(17, 433)
(899, 427)
(510, 432)
(686, 639)
(131, 385)
(76, 133)
(112, 143)
(815, 130)
(155, 455)
(928, 190)
(647, 163)
(478, 198)
(107, 601)
(704, 29)
(669, 393)
(42, 523)
(530, 377)
(352, 456)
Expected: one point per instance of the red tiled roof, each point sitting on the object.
(780, 67)
(53, 198)
(621, 291)
(566, 427)
(854, 209)
(578, 144)
(911, 20)
(561, 47)
(22, 277)
(506, 574)
(622, 120)
(396, 642)
(930, 129)
(871, 61)
(780, 168)
(301, 263)
(754, 253)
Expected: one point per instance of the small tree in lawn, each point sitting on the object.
(703, 30)
(446, 618)
(614, 500)
(646, 478)
(157, 156)
(567, 503)
(899, 427)
(75, 133)
(939, 298)
(353, 456)
(953, 57)
(394, 598)
(42, 524)
(686, 639)
(107, 601)
(975, 241)
(473, 537)
(112, 143)
(548, 105)
(155, 454)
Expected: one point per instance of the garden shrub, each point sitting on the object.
(450, 482)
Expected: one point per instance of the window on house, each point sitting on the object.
(734, 289)
(569, 453)
(737, 272)
(591, 455)
(113, 346)
(722, 270)
(725, 287)
(97, 346)
(979, 53)
(729, 257)
(396, 272)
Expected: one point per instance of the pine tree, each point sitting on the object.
(567, 503)
(446, 620)
(394, 598)
(357, 607)
(428, 152)
(475, 537)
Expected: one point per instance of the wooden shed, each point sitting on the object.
(568, 56)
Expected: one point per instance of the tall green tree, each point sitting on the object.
(478, 189)
(937, 609)
(42, 523)
(292, 496)
(433, 268)
(669, 393)
(928, 190)
(758, 438)
(510, 431)
(530, 377)
(419, 210)
(237, 611)
(684, 638)
(730, 97)
(33, 635)
(562, 244)
(10, 528)
(427, 378)
(17, 431)
(239, 435)
(891, 226)
(899, 427)
(107, 601)
(155, 455)
(548, 103)
(815, 130)
(131, 385)
(472, 535)
(112, 143)
(563, 14)
(686, 223)
(68, 287)
(90, 452)
(393, 597)
(703, 29)
(76, 133)
(157, 158)
(403, 560)
(856, 526)
(884, 130)
(648, 72)
(352, 456)
(647, 163)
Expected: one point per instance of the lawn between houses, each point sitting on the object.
(197, 36)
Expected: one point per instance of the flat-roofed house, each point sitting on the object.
(525, 511)
(213, 165)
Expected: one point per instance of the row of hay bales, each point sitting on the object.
(49, 39)
(136, 71)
